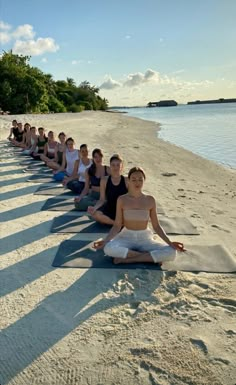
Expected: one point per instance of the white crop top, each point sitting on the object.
(71, 157)
(82, 168)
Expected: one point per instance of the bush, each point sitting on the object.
(55, 105)
(75, 108)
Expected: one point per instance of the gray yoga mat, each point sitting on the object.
(54, 204)
(58, 204)
(178, 225)
(38, 171)
(80, 254)
(76, 224)
(215, 259)
(29, 161)
(38, 166)
(56, 191)
(41, 178)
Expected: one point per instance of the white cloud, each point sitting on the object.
(140, 78)
(127, 37)
(110, 84)
(4, 26)
(179, 71)
(44, 60)
(35, 47)
(25, 31)
(23, 40)
(5, 37)
(75, 62)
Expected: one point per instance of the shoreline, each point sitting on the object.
(227, 163)
(158, 128)
(117, 326)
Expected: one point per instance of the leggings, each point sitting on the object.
(87, 200)
(138, 240)
(76, 186)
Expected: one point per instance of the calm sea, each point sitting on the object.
(208, 130)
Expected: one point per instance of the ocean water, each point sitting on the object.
(208, 130)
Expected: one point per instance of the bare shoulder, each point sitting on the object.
(123, 198)
(151, 200)
(104, 179)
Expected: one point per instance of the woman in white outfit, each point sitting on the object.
(135, 242)
(33, 140)
(70, 156)
(76, 181)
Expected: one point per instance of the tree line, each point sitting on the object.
(26, 89)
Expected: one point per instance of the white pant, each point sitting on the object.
(138, 240)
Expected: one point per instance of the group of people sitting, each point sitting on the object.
(104, 193)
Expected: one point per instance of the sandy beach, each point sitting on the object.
(116, 326)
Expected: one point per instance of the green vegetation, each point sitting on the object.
(26, 89)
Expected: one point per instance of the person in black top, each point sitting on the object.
(111, 188)
(38, 148)
(18, 132)
(13, 130)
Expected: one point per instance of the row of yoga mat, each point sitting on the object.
(80, 253)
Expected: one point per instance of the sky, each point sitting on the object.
(135, 51)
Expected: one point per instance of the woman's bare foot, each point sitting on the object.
(116, 261)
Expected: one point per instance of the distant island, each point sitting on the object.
(163, 103)
(221, 100)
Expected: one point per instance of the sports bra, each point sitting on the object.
(136, 215)
(43, 142)
(52, 147)
(95, 180)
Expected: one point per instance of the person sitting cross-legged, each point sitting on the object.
(130, 240)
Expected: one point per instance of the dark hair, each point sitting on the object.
(32, 127)
(136, 169)
(70, 140)
(25, 127)
(92, 168)
(116, 157)
(50, 132)
(83, 146)
(41, 128)
(61, 133)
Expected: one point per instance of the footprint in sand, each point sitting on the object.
(218, 212)
(230, 332)
(199, 344)
(195, 216)
(221, 228)
(168, 174)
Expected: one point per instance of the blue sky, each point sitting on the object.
(136, 51)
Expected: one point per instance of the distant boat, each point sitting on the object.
(221, 100)
(163, 103)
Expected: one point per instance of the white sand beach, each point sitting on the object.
(116, 326)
